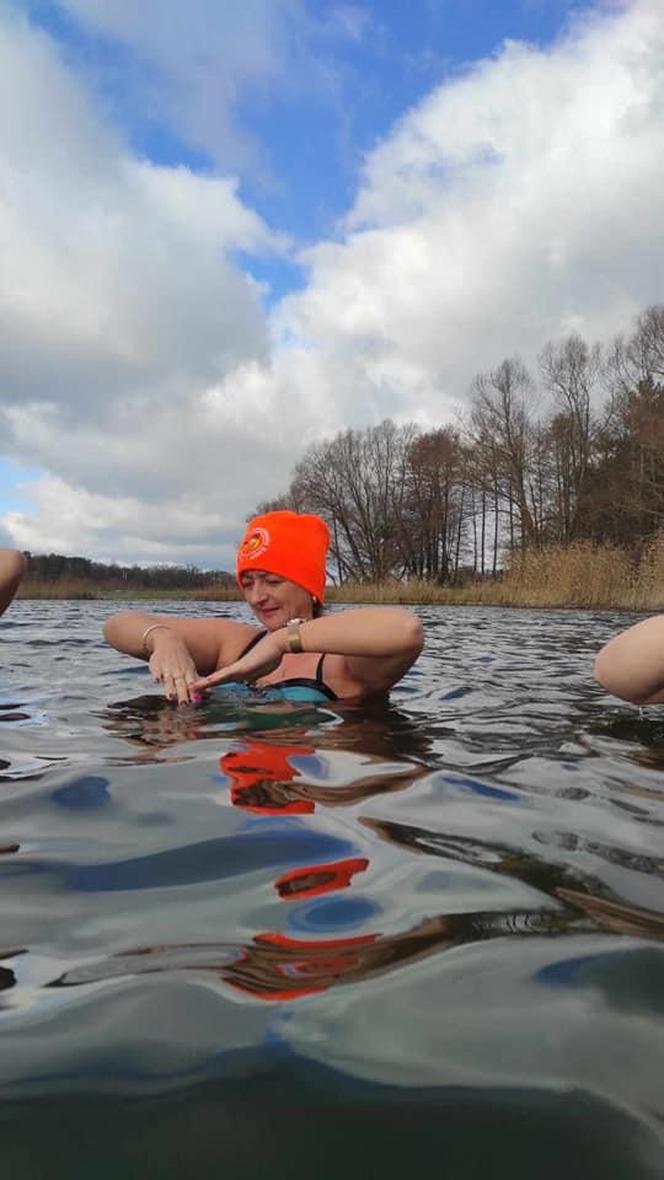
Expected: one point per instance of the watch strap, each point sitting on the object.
(294, 639)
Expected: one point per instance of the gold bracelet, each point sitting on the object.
(152, 627)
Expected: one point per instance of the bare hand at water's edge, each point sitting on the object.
(260, 661)
(172, 665)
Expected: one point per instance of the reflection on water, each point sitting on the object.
(275, 966)
(441, 914)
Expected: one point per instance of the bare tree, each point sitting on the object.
(428, 517)
(570, 370)
(501, 429)
(357, 482)
(625, 500)
(639, 359)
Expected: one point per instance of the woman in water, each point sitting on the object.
(631, 665)
(281, 572)
(12, 569)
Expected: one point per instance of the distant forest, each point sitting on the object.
(54, 567)
(465, 500)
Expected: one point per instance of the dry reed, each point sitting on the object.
(580, 575)
(69, 588)
(86, 589)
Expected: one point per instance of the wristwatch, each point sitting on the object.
(293, 637)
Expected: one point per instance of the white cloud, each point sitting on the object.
(193, 62)
(513, 204)
(191, 65)
(120, 307)
(115, 273)
(123, 528)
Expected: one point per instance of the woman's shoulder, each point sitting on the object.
(236, 639)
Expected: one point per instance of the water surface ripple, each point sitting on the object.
(293, 939)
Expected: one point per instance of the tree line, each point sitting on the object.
(460, 500)
(54, 567)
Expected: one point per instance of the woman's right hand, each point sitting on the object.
(171, 665)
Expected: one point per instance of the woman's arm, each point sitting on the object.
(379, 644)
(178, 650)
(12, 569)
(632, 664)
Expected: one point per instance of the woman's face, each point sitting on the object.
(274, 600)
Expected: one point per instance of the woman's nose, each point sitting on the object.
(258, 593)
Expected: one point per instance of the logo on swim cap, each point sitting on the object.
(255, 544)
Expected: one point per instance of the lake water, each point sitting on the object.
(248, 939)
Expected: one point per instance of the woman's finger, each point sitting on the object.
(181, 689)
(194, 697)
(216, 678)
(178, 683)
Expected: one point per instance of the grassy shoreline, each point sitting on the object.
(581, 576)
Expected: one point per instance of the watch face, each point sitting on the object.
(293, 622)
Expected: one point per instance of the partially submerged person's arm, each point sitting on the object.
(632, 664)
(179, 650)
(379, 644)
(12, 569)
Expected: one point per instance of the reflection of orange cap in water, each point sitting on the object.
(260, 763)
(316, 879)
(312, 965)
(291, 545)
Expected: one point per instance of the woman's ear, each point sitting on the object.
(316, 607)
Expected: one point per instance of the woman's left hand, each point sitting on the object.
(260, 661)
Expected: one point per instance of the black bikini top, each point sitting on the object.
(316, 685)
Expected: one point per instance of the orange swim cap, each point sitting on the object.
(289, 544)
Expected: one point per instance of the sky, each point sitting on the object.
(228, 231)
